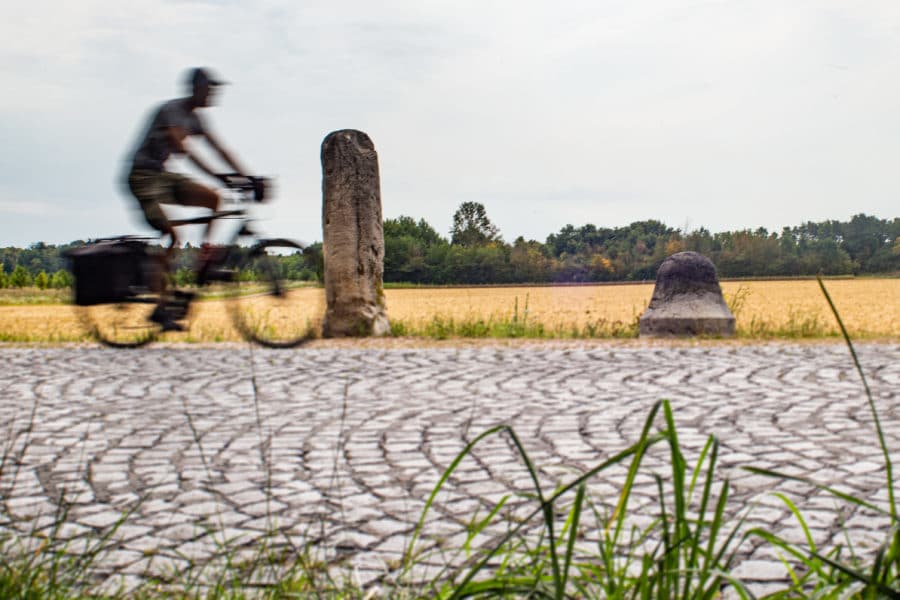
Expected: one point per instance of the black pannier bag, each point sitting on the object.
(109, 270)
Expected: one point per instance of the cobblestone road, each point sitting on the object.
(205, 448)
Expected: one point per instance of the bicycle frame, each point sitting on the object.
(147, 286)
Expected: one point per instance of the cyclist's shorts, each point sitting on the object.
(153, 188)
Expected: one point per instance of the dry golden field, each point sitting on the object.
(764, 309)
(870, 308)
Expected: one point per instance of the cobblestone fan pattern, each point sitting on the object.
(195, 452)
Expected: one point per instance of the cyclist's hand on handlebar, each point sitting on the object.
(258, 186)
(233, 180)
(261, 188)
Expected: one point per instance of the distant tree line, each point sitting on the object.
(475, 253)
(46, 266)
(40, 265)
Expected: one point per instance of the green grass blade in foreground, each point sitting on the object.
(875, 586)
(640, 448)
(546, 506)
(408, 554)
(478, 526)
(636, 450)
(825, 488)
(696, 546)
(737, 585)
(51, 570)
(574, 518)
(667, 542)
(884, 449)
(681, 528)
(691, 564)
(712, 556)
(813, 566)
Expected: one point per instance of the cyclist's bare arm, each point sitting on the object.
(226, 156)
(178, 136)
(199, 195)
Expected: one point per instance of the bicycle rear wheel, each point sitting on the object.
(269, 309)
(122, 324)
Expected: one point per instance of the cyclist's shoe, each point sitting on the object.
(164, 318)
(176, 312)
(177, 306)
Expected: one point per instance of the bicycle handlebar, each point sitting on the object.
(258, 186)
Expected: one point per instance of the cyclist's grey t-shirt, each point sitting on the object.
(156, 146)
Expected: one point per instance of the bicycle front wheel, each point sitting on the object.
(269, 308)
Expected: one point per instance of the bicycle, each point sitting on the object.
(115, 279)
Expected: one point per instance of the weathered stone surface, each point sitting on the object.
(687, 300)
(353, 236)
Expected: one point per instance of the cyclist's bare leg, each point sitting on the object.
(159, 284)
(191, 193)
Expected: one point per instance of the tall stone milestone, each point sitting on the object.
(687, 300)
(353, 241)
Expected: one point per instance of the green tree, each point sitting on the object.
(404, 226)
(472, 227)
(296, 267)
(2, 275)
(315, 260)
(19, 277)
(41, 280)
(61, 279)
(528, 262)
(404, 260)
(478, 264)
(407, 245)
(863, 237)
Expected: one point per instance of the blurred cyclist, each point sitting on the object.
(169, 132)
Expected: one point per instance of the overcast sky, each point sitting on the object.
(722, 114)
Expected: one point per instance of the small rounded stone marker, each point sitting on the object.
(353, 237)
(687, 300)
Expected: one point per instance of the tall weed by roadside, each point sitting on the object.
(738, 300)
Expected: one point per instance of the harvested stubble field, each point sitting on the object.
(764, 309)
